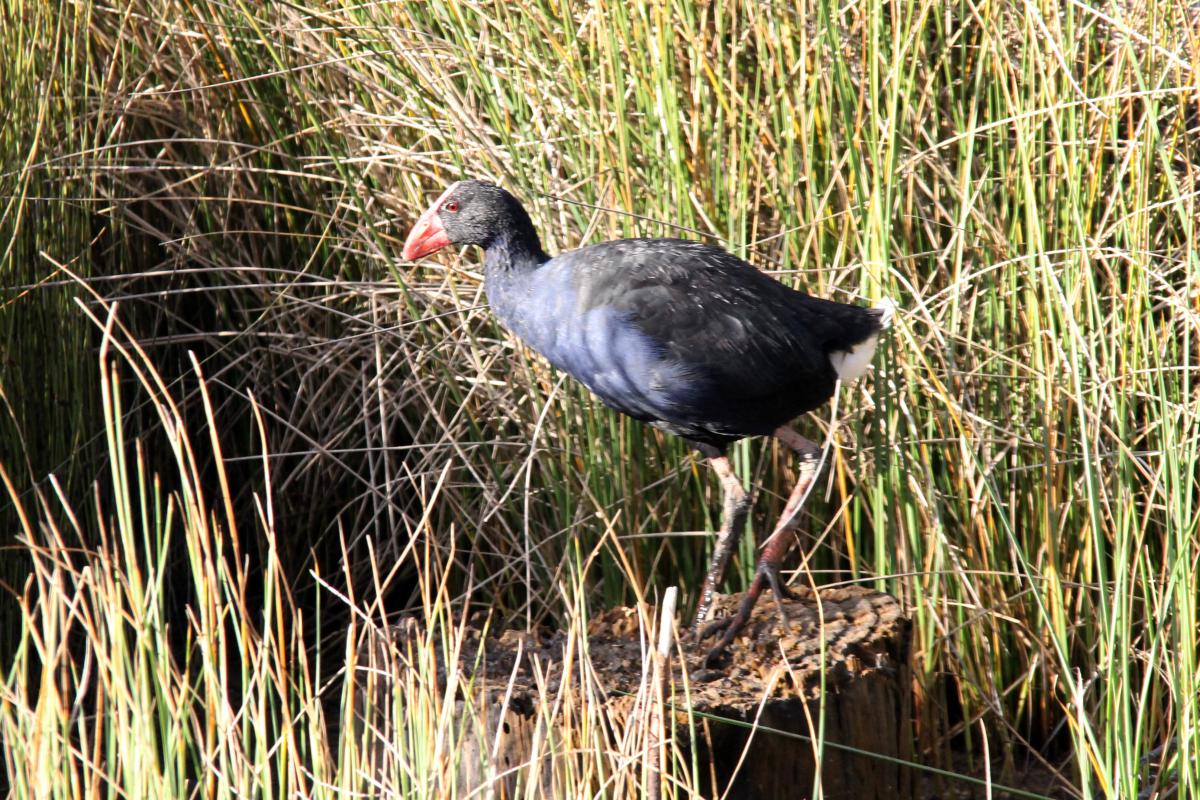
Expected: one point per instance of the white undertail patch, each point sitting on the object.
(851, 365)
(887, 310)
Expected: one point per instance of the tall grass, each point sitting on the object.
(1022, 469)
(108, 693)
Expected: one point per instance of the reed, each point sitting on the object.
(1022, 468)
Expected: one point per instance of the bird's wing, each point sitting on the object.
(718, 319)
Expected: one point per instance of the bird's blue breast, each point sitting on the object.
(599, 346)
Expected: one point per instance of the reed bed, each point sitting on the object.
(239, 429)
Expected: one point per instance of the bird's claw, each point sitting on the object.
(770, 572)
(714, 627)
(717, 653)
(767, 575)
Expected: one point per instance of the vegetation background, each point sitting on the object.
(236, 428)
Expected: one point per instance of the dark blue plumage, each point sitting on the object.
(678, 334)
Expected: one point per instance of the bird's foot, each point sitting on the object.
(766, 576)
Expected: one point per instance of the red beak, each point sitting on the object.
(427, 236)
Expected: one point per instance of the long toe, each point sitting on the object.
(713, 628)
(769, 572)
(729, 627)
(716, 656)
(767, 576)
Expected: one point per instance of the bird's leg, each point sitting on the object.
(773, 549)
(733, 525)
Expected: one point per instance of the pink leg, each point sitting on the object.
(774, 548)
(733, 525)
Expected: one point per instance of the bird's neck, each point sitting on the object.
(512, 264)
(514, 253)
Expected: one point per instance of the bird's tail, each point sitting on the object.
(886, 310)
(854, 361)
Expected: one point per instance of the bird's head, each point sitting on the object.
(469, 212)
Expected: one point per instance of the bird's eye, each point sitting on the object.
(452, 206)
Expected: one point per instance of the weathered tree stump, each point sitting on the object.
(756, 720)
(867, 699)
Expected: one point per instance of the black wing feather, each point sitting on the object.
(754, 353)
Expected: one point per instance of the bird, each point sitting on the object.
(678, 334)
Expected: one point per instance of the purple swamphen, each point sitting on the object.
(677, 334)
